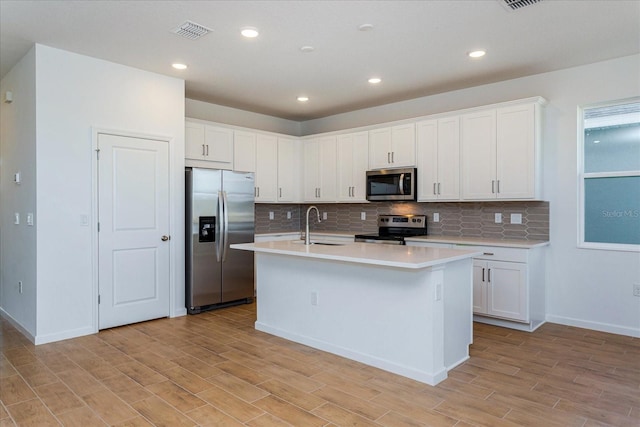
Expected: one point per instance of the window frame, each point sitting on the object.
(582, 177)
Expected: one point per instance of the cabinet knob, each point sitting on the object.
(165, 238)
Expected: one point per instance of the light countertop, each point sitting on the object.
(410, 257)
(456, 240)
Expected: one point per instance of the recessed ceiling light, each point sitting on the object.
(249, 32)
(374, 80)
(477, 54)
(303, 98)
(365, 27)
(307, 49)
(178, 66)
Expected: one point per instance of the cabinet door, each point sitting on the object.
(352, 151)
(328, 169)
(266, 179)
(360, 166)
(380, 148)
(403, 146)
(244, 151)
(448, 187)
(194, 141)
(289, 181)
(427, 160)
(219, 146)
(507, 296)
(479, 155)
(515, 150)
(311, 151)
(479, 287)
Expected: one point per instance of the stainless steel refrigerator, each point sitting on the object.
(219, 212)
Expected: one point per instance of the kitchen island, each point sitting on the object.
(407, 310)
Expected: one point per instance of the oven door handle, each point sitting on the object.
(401, 184)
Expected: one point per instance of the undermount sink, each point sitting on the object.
(301, 242)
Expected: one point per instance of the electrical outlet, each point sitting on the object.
(289, 215)
(30, 219)
(271, 215)
(498, 218)
(636, 290)
(16, 218)
(324, 215)
(436, 217)
(516, 218)
(19, 286)
(363, 216)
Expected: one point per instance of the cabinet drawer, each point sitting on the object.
(492, 253)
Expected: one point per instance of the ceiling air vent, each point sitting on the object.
(518, 4)
(191, 30)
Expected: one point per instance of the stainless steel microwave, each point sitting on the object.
(392, 184)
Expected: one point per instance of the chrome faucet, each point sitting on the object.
(307, 239)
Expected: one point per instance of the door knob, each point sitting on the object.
(165, 238)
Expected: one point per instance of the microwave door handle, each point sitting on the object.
(401, 184)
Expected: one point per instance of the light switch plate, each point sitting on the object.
(436, 217)
(29, 218)
(516, 218)
(498, 218)
(363, 216)
(324, 215)
(289, 215)
(271, 215)
(16, 218)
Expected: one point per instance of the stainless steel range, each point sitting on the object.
(392, 229)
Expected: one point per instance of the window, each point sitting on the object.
(610, 177)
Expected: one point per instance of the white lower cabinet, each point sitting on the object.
(500, 289)
(508, 284)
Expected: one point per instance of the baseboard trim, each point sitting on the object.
(596, 326)
(17, 325)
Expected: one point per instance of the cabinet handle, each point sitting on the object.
(319, 192)
(488, 253)
(207, 149)
(483, 274)
(388, 157)
(392, 159)
(489, 275)
(203, 150)
(280, 192)
(498, 187)
(438, 188)
(258, 191)
(493, 187)
(434, 189)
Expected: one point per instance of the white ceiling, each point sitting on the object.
(418, 48)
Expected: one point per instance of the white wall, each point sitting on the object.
(75, 93)
(587, 288)
(18, 154)
(232, 116)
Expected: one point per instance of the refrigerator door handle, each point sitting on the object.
(225, 216)
(219, 227)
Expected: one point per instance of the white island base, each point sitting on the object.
(415, 322)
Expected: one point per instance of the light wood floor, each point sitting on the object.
(215, 369)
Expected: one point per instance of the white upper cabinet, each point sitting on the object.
(353, 152)
(212, 145)
(258, 153)
(501, 153)
(517, 153)
(266, 179)
(244, 151)
(320, 170)
(392, 147)
(438, 159)
(289, 159)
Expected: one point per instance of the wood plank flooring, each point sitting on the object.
(214, 369)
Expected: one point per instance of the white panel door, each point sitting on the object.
(133, 246)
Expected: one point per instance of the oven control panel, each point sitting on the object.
(402, 221)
